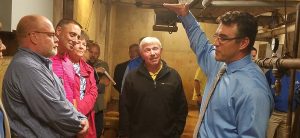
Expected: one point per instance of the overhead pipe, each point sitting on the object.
(275, 32)
(211, 3)
(274, 64)
(279, 63)
(147, 5)
(251, 4)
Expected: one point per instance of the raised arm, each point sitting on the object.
(199, 43)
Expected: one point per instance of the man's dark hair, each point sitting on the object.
(92, 45)
(66, 21)
(133, 45)
(246, 24)
(253, 48)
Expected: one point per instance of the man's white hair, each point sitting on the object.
(150, 40)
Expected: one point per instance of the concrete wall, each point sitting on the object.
(57, 11)
(92, 17)
(26, 7)
(126, 25)
(13, 10)
(5, 14)
(132, 23)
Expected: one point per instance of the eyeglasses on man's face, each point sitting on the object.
(223, 38)
(50, 34)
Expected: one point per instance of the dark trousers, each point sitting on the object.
(99, 123)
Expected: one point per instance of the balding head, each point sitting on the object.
(31, 23)
(36, 33)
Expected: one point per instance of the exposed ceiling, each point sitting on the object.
(216, 8)
(270, 13)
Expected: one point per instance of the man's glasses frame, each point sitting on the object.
(50, 34)
(223, 39)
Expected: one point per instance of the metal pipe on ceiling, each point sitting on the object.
(252, 3)
(265, 36)
(278, 63)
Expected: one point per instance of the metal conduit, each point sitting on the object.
(278, 63)
(251, 3)
(274, 32)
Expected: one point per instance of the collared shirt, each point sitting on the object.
(35, 101)
(63, 68)
(281, 100)
(242, 101)
(153, 75)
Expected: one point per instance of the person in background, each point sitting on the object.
(68, 32)
(102, 81)
(277, 127)
(2, 48)
(133, 64)
(253, 53)
(85, 88)
(4, 125)
(120, 68)
(154, 99)
(237, 101)
(199, 85)
(94, 52)
(33, 95)
(134, 51)
(86, 55)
